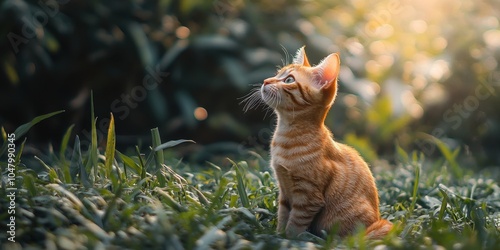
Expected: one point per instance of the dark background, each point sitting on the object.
(409, 70)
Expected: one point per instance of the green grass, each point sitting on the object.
(102, 198)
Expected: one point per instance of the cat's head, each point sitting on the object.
(300, 86)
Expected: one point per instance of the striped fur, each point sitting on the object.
(323, 184)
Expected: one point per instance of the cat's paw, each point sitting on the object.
(292, 232)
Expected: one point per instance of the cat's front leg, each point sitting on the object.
(305, 207)
(283, 213)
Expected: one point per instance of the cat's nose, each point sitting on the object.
(268, 81)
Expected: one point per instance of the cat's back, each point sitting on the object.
(349, 190)
(353, 183)
(352, 172)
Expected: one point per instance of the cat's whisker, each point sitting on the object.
(277, 98)
(252, 100)
(268, 110)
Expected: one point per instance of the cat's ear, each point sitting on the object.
(327, 71)
(301, 57)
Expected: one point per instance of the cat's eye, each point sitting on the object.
(289, 79)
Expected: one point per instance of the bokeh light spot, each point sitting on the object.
(385, 61)
(200, 113)
(492, 38)
(182, 32)
(373, 67)
(350, 100)
(439, 69)
(439, 43)
(418, 26)
(305, 27)
(416, 111)
(378, 47)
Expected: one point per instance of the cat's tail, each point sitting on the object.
(378, 229)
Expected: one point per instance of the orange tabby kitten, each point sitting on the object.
(322, 183)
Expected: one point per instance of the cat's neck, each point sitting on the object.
(314, 130)
(287, 122)
(312, 118)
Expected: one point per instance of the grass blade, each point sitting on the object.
(171, 144)
(442, 210)
(129, 162)
(415, 189)
(77, 203)
(64, 142)
(112, 205)
(448, 155)
(76, 166)
(92, 162)
(155, 134)
(171, 202)
(241, 185)
(65, 166)
(17, 160)
(53, 176)
(4, 134)
(110, 147)
(29, 183)
(402, 154)
(143, 166)
(23, 129)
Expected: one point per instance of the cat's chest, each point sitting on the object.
(284, 177)
(280, 157)
(295, 154)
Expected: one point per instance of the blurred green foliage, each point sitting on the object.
(409, 68)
